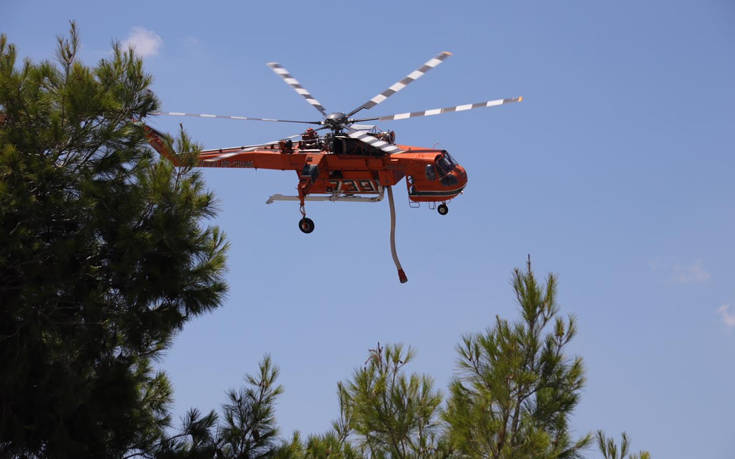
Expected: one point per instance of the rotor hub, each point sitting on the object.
(336, 120)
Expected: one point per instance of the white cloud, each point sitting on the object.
(692, 273)
(683, 274)
(145, 42)
(728, 318)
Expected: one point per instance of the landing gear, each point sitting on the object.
(306, 225)
(442, 209)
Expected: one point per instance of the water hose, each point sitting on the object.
(401, 274)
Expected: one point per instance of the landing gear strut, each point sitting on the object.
(442, 209)
(306, 225)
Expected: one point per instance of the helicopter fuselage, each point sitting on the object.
(431, 174)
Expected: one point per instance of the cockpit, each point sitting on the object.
(443, 179)
(445, 165)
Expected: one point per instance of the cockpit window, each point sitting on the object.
(445, 163)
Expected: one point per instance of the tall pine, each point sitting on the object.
(104, 255)
(518, 386)
(391, 414)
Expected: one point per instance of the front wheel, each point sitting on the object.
(306, 225)
(442, 209)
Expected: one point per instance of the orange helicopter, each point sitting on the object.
(350, 162)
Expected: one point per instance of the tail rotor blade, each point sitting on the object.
(291, 81)
(439, 111)
(410, 78)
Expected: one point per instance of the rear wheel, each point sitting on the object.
(306, 225)
(442, 209)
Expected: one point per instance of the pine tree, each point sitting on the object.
(334, 444)
(390, 414)
(250, 426)
(329, 445)
(384, 413)
(517, 387)
(610, 449)
(103, 256)
(247, 430)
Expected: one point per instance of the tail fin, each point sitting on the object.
(159, 143)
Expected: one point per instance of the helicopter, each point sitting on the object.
(349, 162)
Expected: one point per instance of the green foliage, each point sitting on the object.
(102, 257)
(390, 413)
(329, 445)
(609, 448)
(513, 398)
(384, 413)
(517, 388)
(333, 444)
(250, 426)
(248, 431)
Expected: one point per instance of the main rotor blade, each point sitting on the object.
(230, 117)
(362, 127)
(291, 81)
(410, 78)
(438, 111)
(373, 141)
(224, 153)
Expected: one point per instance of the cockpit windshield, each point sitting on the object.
(445, 163)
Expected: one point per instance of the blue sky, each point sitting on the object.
(615, 173)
